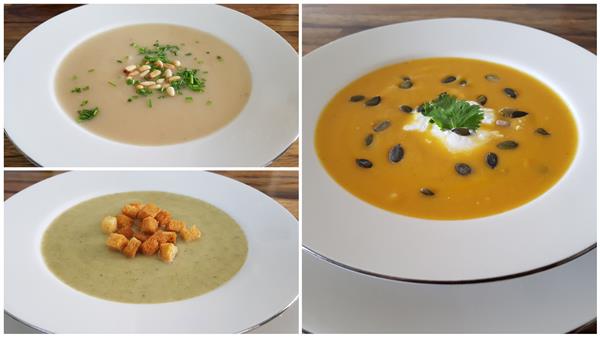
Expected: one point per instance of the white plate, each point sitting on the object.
(38, 126)
(265, 285)
(335, 300)
(557, 225)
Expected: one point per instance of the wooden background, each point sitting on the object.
(279, 185)
(21, 19)
(322, 24)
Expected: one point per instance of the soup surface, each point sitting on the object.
(375, 139)
(92, 76)
(74, 250)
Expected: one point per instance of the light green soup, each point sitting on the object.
(74, 250)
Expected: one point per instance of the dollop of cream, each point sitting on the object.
(453, 142)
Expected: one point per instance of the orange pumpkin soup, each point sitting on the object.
(446, 138)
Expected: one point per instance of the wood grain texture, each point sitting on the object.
(21, 19)
(322, 24)
(282, 186)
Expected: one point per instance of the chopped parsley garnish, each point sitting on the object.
(132, 82)
(119, 61)
(111, 83)
(91, 70)
(144, 92)
(87, 114)
(220, 58)
(188, 54)
(74, 78)
(79, 89)
(209, 102)
(449, 113)
(157, 52)
(84, 102)
(149, 102)
(189, 99)
(189, 80)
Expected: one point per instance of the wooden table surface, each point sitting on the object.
(322, 24)
(282, 186)
(21, 19)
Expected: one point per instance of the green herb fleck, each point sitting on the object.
(219, 58)
(91, 70)
(159, 52)
(189, 99)
(190, 80)
(144, 92)
(79, 89)
(131, 81)
(74, 78)
(111, 83)
(149, 102)
(449, 113)
(119, 61)
(209, 102)
(87, 114)
(197, 41)
(84, 102)
(188, 54)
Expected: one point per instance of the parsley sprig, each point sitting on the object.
(87, 114)
(450, 113)
(189, 79)
(158, 52)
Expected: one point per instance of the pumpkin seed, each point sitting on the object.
(396, 153)
(481, 99)
(369, 139)
(492, 77)
(510, 93)
(406, 84)
(382, 126)
(542, 132)
(462, 131)
(406, 108)
(491, 159)
(508, 145)
(513, 113)
(364, 163)
(373, 101)
(463, 169)
(449, 79)
(357, 98)
(427, 192)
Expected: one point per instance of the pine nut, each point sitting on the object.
(139, 86)
(148, 83)
(177, 63)
(165, 85)
(156, 86)
(160, 80)
(169, 66)
(168, 73)
(130, 68)
(134, 73)
(144, 68)
(159, 64)
(173, 78)
(144, 73)
(154, 73)
(171, 91)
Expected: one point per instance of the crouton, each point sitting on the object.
(166, 237)
(116, 241)
(124, 221)
(148, 210)
(141, 236)
(149, 225)
(175, 225)
(150, 246)
(109, 224)
(132, 247)
(163, 218)
(190, 234)
(168, 252)
(131, 210)
(126, 231)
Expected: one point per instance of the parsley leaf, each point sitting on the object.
(159, 52)
(87, 114)
(449, 113)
